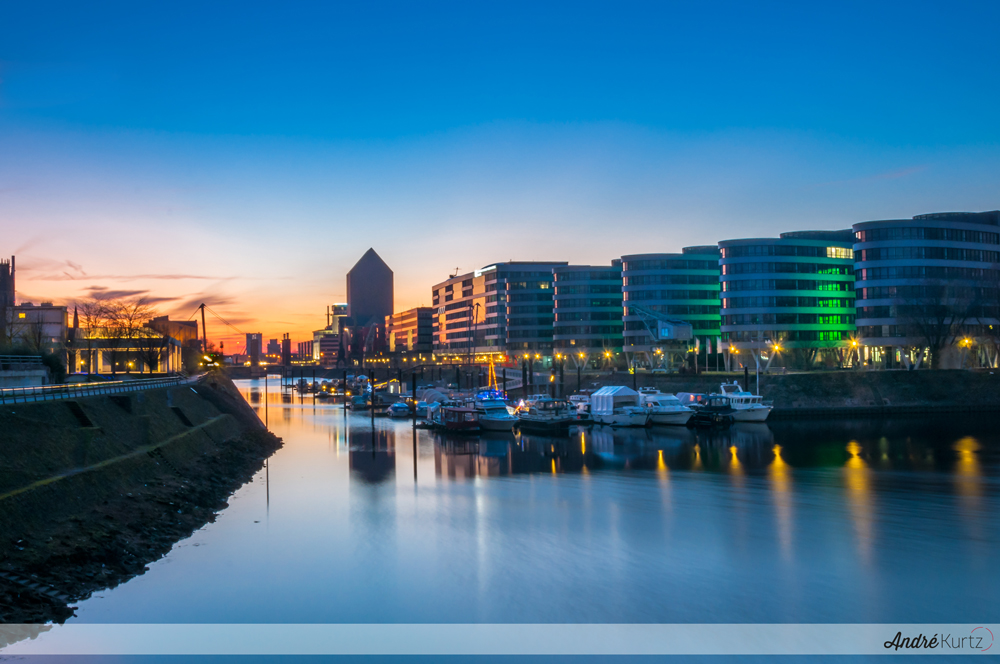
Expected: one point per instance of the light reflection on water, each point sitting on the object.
(811, 521)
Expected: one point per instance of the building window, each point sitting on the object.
(839, 252)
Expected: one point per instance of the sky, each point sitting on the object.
(245, 154)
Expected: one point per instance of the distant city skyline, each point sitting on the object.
(249, 158)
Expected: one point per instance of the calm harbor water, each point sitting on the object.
(811, 521)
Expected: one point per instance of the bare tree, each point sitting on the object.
(93, 318)
(151, 346)
(938, 316)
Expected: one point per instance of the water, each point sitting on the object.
(891, 521)
(814, 521)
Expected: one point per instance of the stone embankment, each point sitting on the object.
(94, 489)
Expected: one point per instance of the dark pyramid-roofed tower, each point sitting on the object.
(369, 290)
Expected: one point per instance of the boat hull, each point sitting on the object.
(489, 424)
(678, 417)
(751, 414)
(623, 419)
(561, 424)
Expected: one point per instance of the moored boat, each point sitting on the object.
(665, 408)
(494, 415)
(399, 409)
(545, 414)
(747, 407)
(618, 406)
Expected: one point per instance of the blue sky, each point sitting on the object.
(247, 154)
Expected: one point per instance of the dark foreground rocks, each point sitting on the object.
(91, 491)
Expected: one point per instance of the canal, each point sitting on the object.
(805, 521)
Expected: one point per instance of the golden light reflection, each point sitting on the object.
(858, 482)
(553, 466)
(734, 461)
(968, 474)
(583, 443)
(778, 472)
(697, 457)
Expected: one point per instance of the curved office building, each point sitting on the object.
(796, 291)
(682, 286)
(924, 282)
(588, 310)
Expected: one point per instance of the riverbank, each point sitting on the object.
(94, 489)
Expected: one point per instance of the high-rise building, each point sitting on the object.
(7, 292)
(588, 310)
(369, 291)
(680, 287)
(792, 294)
(926, 285)
(500, 309)
(328, 343)
(273, 348)
(411, 331)
(253, 349)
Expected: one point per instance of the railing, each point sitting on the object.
(77, 390)
(20, 360)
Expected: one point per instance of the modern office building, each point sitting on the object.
(305, 351)
(411, 331)
(793, 294)
(369, 291)
(253, 348)
(504, 308)
(927, 285)
(682, 287)
(328, 347)
(588, 310)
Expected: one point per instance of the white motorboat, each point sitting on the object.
(545, 414)
(399, 409)
(494, 415)
(747, 407)
(665, 408)
(618, 406)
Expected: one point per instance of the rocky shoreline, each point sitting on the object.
(84, 528)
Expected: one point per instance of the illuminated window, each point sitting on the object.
(21, 315)
(839, 252)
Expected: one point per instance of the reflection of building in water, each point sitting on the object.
(488, 455)
(372, 456)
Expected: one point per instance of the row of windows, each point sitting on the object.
(589, 315)
(789, 335)
(946, 234)
(679, 309)
(666, 279)
(928, 291)
(768, 301)
(615, 330)
(670, 264)
(607, 275)
(587, 290)
(464, 313)
(705, 294)
(750, 250)
(530, 297)
(883, 331)
(531, 309)
(634, 326)
(788, 319)
(580, 303)
(786, 284)
(526, 322)
(928, 272)
(525, 275)
(528, 285)
(529, 334)
(794, 267)
(929, 253)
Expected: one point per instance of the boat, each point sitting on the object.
(618, 406)
(458, 419)
(665, 408)
(711, 410)
(359, 402)
(493, 415)
(747, 407)
(582, 404)
(545, 414)
(399, 409)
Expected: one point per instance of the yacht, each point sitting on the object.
(399, 409)
(582, 404)
(494, 416)
(665, 408)
(747, 407)
(546, 414)
(618, 406)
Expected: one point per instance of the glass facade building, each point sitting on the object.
(795, 291)
(924, 282)
(505, 308)
(682, 286)
(588, 310)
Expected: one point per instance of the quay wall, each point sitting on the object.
(94, 489)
